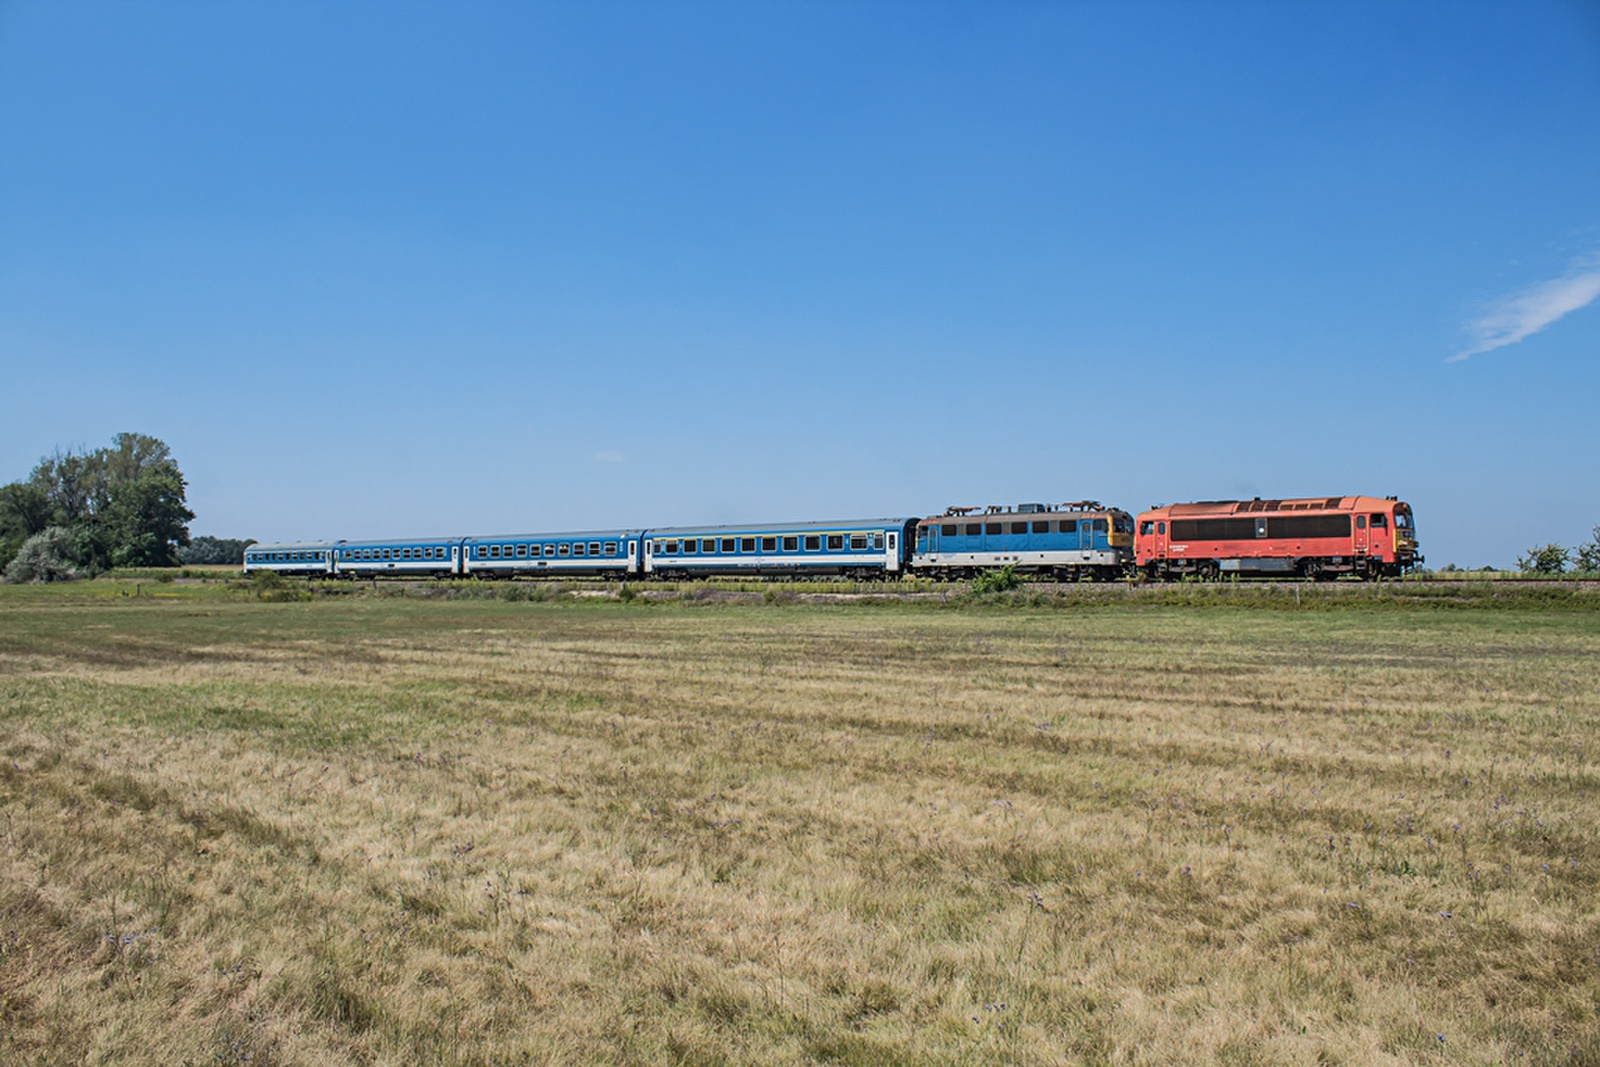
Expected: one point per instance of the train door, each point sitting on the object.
(1361, 535)
(633, 556)
(649, 557)
(891, 549)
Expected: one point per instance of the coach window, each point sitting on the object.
(769, 544)
(835, 541)
(1361, 522)
(747, 544)
(877, 541)
(858, 542)
(494, 551)
(550, 550)
(691, 545)
(708, 545)
(577, 548)
(947, 530)
(594, 548)
(611, 548)
(729, 544)
(563, 550)
(813, 543)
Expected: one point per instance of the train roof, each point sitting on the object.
(1257, 504)
(378, 542)
(560, 535)
(839, 525)
(290, 546)
(1070, 507)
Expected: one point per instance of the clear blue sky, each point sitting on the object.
(375, 269)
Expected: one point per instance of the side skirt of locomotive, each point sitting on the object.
(1314, 568)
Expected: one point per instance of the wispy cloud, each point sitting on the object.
(1527, 311)
(610, 455)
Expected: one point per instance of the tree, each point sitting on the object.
(215, 550)
(1545, 559)
(1589, 554)
(47, 556)
(24, 511)
(123, 505)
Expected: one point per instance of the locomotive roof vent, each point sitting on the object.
(1029, 509)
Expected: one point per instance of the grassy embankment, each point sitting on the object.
(384, 828)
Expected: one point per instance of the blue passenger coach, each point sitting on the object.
(1082, 539)
(583, 553)
(419, 557)
(291, 557)
(865, 548)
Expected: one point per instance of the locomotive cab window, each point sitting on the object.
(1379, 522)
(1100, 526)
(1146, 528)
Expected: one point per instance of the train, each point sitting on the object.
(1317, 538)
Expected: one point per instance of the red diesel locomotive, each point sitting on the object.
(1319, 538)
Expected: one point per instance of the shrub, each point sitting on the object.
(48, 556)
(1001, 580)
(1545, 559)
(1589, 554)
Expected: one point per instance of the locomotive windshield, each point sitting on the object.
(1402, 519)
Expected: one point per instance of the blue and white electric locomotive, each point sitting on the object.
(1082, 539)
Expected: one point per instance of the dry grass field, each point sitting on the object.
(388, 830)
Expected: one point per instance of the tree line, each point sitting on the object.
(83, 513)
